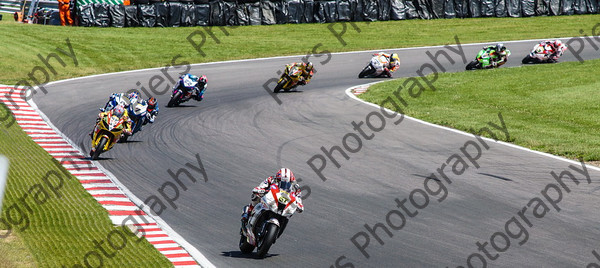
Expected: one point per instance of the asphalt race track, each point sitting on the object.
(242, 135)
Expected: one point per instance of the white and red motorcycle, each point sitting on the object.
(268, 220)
(543, 53)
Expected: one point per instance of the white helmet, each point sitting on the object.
(286, 178)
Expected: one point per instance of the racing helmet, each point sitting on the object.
(151, 104)
(309, 67)
(501, 49)
(557, 43)
(133, 96)
(394, 59)
(118, 111)
(189, 81)
(286, 178)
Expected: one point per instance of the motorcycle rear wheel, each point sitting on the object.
(174, 100)
(268, 239)
(473, 65)
(245, 247)
(99, 148)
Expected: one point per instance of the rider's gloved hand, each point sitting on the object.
(300, 209)
(260, 191)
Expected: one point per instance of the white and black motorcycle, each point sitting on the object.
(268, 220)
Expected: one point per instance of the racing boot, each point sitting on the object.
(246, 212)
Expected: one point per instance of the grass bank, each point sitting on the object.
(549, 108)
(52, 228)
(101, 50)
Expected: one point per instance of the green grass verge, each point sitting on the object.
(101, 50)
(549, 108)
(61, 229)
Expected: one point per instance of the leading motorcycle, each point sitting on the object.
(377, 68)
(268, 220)
(106, 133)
(541, 54)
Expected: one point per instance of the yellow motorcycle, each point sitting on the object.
(289, 79)
(107, 132)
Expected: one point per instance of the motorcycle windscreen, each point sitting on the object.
(285, 186)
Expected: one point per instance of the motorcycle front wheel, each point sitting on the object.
(280, 85)
(245, 247)
(99, 148)
(528, 60)
(174, 99)
(268, 239)
(366, 71)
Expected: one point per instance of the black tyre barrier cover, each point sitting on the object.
(356, 7)
(175, 12)
(202, 14)
(369, 10)
(147, 15)
(424, 9)
(384, 9)
(253, 10)
(131, 18)
(188, 14)
(437, 6)
(309, 15)
(501, 8)
(566, 7)
(295, 11)
(86, 15)
(281, 12)
(488, 9)
(514, 8)
(162, 14)
(398, 10)
(101, 18)
(344, 10)
(216, 13)
(542, 7)
(411, 9)
(475, 8)
(462, 8)
(527, 8)
(117, 15)
(241, 14)
(555, 7)
(331, 11)
(267, 9)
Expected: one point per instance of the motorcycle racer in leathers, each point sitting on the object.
(285, 179)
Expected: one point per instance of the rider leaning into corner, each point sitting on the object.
(307, 71)
(498, 55)
(385, 64)
(285, 179)
(120, 112)
(557, 46)
(192, 83)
